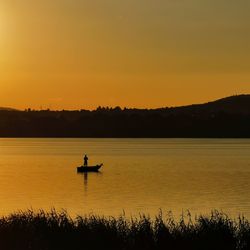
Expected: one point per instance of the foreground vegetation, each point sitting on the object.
(56, 230)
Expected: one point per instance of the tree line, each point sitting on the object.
(183, 122)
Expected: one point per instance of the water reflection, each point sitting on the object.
(86, 178)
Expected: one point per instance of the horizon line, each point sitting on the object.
(29, 109)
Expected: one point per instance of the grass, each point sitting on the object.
(56, 230)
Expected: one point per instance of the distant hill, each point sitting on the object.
(226, 117)
(7, 109)
(238, 104)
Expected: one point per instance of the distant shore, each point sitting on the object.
(224, 118)
(56, 230)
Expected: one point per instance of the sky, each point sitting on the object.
(73, 54)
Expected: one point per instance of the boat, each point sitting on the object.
(84, 169)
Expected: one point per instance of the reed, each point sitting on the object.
(57, 230)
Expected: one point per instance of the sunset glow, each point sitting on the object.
(75, 54)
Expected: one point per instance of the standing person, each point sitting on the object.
(86, 160)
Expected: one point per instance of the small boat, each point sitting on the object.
(84, 169)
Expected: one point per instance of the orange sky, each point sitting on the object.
(137, 53)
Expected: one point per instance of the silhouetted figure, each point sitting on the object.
(85, 160)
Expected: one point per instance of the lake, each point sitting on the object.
(139, 175)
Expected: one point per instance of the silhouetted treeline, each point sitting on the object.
(228, 117)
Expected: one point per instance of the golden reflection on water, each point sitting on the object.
(139, 175)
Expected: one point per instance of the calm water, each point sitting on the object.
(139, 175)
